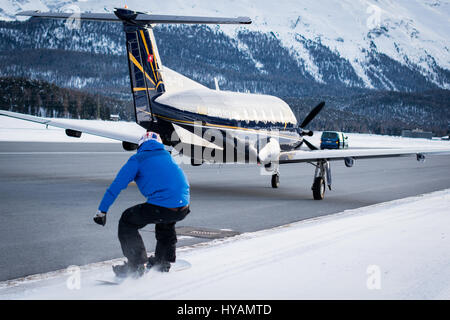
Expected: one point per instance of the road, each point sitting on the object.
(49, 193)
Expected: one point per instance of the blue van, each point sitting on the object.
(333, 140)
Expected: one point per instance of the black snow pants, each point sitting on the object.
(139, 216)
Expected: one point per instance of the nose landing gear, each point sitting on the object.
(275, 180)
(273, 168)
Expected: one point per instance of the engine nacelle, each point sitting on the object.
(129, 146)
(73, 133)
(270, 152)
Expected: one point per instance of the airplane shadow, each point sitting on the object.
(260, 193)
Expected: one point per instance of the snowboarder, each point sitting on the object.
(166, 188)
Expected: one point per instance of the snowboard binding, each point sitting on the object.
(154, 263)
(127, 270)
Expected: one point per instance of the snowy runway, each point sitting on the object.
(401, 249)
(394, 250)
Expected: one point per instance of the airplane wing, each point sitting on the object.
(108, 130)
(369, 153)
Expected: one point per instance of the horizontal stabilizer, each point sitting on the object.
(147, 18)
(138, 17)
(63, 15)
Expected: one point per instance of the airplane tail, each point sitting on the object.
(144, 66)
(143, 58)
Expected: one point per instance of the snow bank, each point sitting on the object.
(19, 130)
(394, 250)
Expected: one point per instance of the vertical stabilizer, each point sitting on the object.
(144, 62)
(145, 71)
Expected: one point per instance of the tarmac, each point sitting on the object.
(49, 193)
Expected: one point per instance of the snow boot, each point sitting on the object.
(128, 270)
(158, 264)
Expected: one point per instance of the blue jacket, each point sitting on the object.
(157, 176)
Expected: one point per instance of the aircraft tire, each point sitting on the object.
(275, 180)
(318, 188)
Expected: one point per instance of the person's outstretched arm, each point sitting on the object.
(123, 178)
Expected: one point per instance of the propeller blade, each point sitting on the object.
(299, 145)
(312, 114)
(310, 145)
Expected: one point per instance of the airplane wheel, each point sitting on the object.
(275, 180)
(318, 188)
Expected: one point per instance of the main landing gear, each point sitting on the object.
(322, 177)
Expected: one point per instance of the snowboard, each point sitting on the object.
(179, 265)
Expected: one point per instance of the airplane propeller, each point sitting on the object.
(303, 132)
(310, 145)
(312, 114)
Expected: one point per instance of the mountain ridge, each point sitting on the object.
(412, 34)
(300, 65)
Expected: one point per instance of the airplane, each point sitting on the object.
(210, 125)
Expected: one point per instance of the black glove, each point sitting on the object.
(100, 218)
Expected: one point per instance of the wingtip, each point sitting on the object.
(245, 20)
(27, 13)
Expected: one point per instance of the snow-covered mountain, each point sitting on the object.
(363, 34)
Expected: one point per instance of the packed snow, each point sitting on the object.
(19, 130)
(393, 250)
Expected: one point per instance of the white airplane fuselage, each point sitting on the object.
(253, 127)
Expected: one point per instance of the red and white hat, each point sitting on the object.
(149, 135)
